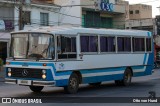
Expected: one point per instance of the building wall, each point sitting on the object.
(107, 19)
(71, 14)
(7, 15)
(35, 16)
(118, 7)
(145, 11)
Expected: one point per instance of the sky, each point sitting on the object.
(154, 3)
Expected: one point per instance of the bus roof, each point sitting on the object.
(78, 30)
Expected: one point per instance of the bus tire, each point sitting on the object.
(36, 88)
(95, 84)
(127, 78)
(73, 84)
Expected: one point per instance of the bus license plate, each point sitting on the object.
(24, 82)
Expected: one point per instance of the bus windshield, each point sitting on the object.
(32, 45)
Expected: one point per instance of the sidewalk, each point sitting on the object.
(2, 73)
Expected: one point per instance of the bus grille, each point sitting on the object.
(26, 73)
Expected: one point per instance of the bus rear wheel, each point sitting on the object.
(126, 78)
(73, 84)
(36, 88)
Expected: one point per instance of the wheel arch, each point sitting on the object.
(130, 68)
(78, 73)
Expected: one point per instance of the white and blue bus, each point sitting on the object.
(67, 57)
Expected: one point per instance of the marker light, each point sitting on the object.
(7, 63)
(44, 64)
(9, 69)
(43, 71)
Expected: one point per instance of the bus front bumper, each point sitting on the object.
(29, 82)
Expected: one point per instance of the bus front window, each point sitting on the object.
(19, 45)
(35, 45)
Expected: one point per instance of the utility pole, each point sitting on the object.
(21, 20)
(20, 17)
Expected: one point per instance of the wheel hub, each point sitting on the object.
(73, 83)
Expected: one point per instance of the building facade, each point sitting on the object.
(81, 13)
(140, 11)
(140, 18)
(94, 13)
(34, 14)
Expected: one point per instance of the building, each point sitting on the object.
(94, 13)
(140, 11)
(81, 13)
(140, 17)
(85, 13)
(33, 14)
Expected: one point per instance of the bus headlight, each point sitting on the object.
(44, 74)
(9, 72)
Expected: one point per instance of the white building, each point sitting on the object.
(33, 15)
(94, 13)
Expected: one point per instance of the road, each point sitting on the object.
(139, 88)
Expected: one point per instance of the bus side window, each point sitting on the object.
(138, 44)
(63, 44)
(59, 44)
(148, 45)
(66, 47)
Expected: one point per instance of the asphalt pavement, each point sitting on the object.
(140, 87)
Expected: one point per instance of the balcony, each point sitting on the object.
(141, 22)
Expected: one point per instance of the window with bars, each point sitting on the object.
(66, 47)
(44, 19)
(26, 17)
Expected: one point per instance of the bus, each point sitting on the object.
(69, 56)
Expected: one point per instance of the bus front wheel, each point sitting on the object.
(36, 88)
(73, 84)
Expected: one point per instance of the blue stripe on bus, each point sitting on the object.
(85, 71)
(145, 57)
(50, 77)
(149, 34)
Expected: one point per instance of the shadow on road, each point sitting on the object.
(106, 89)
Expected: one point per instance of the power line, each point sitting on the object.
(145, 1)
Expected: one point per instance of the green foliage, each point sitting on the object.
(1, 62)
